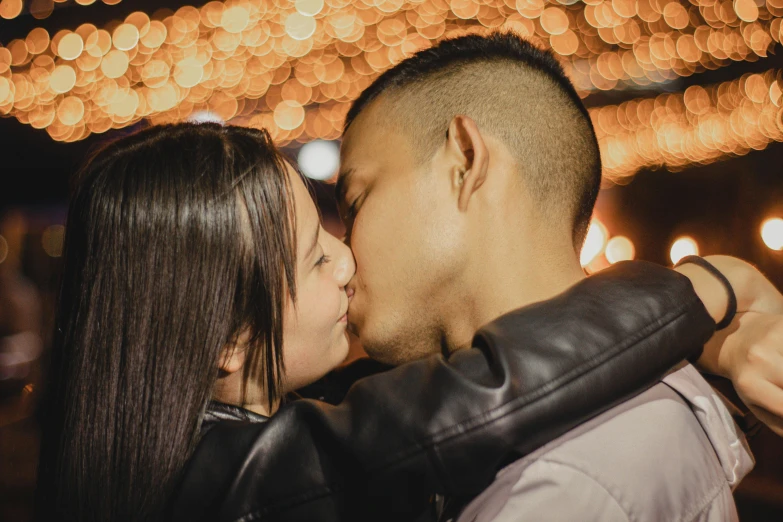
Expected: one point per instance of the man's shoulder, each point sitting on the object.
(649, 455)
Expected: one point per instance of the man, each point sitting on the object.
(468, 178)
(446, 424)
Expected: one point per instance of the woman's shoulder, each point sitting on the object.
(228, 436)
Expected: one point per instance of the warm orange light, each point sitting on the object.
(10, 9)
(772, 233)
(5, 60)
(309, 7)
(299, 26)
(155, 73)
(242, 59)
(98, 43)
(37, 40)
(682, 247)
(619, 248)
(125, 37)
(289, 115)
(52, 240)
(188, 72)
(70, 110)
(63, 79)
(554, 20)
(595, 242)
(19, 53)
(675, 15)
(155, 35)
(114, 64)
(41, 9)
(235, 19)
(70, 46)
(746, 10)
(565, 43)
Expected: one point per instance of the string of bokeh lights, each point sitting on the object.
(293, 66)
(40, 9)
(599, 251)
(697, 126)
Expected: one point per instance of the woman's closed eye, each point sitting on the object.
(324, 259)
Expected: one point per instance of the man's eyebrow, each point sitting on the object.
(342, 184)
(315, 241)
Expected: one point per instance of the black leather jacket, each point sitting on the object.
(447, 425)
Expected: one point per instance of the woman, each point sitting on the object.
(199, 288)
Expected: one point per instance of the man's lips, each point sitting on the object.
(344, 317)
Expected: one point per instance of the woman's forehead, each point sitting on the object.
(304, 209)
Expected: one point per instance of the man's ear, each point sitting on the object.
(465, 142)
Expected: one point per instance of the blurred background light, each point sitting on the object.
(319, 159)
(772, 233)
(595, 242)
(204, 117)
(619, 248)
(3, 249)
(683, 246)
(52, 240)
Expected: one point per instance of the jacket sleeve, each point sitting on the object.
(447, 425)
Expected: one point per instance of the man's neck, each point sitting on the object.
(504, 285)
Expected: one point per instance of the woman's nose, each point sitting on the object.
(345, 266)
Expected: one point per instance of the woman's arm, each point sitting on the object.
(447, 425)
(750, 350)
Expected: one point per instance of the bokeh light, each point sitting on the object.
(619, 248)
(319, 159)
(299, 63)
(309, 7)
(595, 242)
(63, 79)
(10, 9)
(70, 46)
(205, 117)
(772, 233)
(682, 247)
(299, 26)
(52, 240)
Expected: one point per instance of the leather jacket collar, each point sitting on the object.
(220, 411)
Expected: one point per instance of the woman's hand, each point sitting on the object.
(750, 350)
(750, 353)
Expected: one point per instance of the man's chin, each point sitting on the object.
(384, 356)
(393, 354)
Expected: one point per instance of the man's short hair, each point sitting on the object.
(517, 93)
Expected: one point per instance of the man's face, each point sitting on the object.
(404, 229)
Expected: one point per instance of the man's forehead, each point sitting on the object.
(343, 180)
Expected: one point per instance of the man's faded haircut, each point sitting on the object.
(517, 93)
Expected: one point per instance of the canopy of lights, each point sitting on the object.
(293, 66)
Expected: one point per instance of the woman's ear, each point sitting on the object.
(232, 357)
(467, 144)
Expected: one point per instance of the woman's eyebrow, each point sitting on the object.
(315, 241)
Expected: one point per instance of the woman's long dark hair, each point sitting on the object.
(179, 238)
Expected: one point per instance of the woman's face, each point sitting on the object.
(314, 329)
